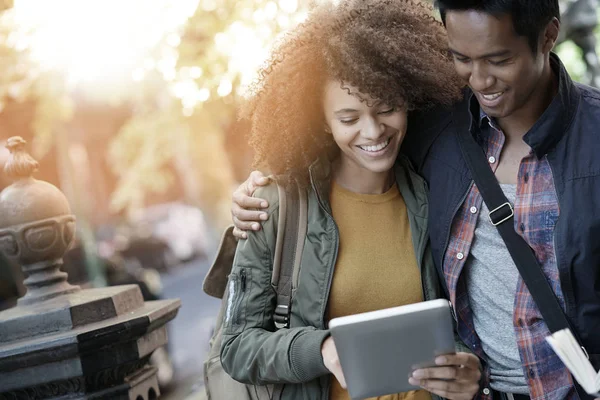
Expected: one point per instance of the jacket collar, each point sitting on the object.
(320, 179)
(554, 122)
(415, 196)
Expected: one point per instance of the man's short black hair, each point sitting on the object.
(530, 17)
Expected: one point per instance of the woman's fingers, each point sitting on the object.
(332, 361)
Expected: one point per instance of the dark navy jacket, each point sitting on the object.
(569, 133)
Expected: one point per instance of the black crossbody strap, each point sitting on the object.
(502, 216)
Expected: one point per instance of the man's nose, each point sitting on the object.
(480, 79)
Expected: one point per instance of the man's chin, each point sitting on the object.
(495, 112)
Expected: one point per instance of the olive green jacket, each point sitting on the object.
(253, 351)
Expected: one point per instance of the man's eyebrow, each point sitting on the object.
(487, 55)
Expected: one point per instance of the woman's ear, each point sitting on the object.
(326, 128)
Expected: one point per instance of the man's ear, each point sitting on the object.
(550, 35)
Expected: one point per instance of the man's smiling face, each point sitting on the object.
(498, 65)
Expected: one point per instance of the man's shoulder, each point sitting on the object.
(590, 95)
(425, 127)
(429, 119)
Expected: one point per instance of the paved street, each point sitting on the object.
(190, 331)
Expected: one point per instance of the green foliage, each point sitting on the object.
(571, 56)
(139, 156)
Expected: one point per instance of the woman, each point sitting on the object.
(333, 119)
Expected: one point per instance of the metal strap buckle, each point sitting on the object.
(512, 213)
(281, 316)
(585, 352)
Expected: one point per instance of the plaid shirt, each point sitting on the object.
(536, 213)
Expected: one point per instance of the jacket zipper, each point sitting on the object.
(332, 266)
(337, 245)
(331, 269)
(236, 307)
(425, 234)
(243, 279)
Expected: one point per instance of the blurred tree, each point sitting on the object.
(183, 123)
(180, 99)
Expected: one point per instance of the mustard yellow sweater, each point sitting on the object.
(376, 266)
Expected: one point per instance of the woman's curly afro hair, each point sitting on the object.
(391, 50)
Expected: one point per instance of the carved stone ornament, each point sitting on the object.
(36, 227)
(60, 341)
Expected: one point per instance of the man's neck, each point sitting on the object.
(516, 125)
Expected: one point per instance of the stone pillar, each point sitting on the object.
(60, 341)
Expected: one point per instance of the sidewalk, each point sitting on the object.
(188, 389)
(190, 332)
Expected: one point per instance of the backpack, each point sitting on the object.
(291, 232)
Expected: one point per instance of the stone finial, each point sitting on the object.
(36, 226)
(20, 164)
(60, 341)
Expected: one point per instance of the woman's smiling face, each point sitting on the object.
(369, 133)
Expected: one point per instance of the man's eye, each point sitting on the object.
(390, 111)
(501, 62)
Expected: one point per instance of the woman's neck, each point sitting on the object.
(351, 176)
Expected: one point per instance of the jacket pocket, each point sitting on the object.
(237, 290)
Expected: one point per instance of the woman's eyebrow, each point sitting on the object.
(345, 111)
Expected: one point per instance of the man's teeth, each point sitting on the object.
(492, 96)
(379, 147)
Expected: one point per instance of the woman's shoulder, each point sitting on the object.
(270, 193)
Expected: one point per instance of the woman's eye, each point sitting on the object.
(349, 121)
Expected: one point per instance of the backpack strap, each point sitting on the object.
(291, 233)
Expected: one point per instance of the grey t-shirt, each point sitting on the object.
(492, 277)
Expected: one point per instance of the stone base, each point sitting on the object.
(93, 344)
(140, 385)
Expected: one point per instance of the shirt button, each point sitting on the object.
(460, 256)
(486, 391)
(492, 159)
(526, 177)
(473, 210)
(531, 373)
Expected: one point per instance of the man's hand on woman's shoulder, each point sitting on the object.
(247, 211)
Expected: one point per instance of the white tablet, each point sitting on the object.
(379, 350)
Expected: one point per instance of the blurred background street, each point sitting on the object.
(190, 331)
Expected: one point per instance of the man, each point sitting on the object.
(537, 129)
